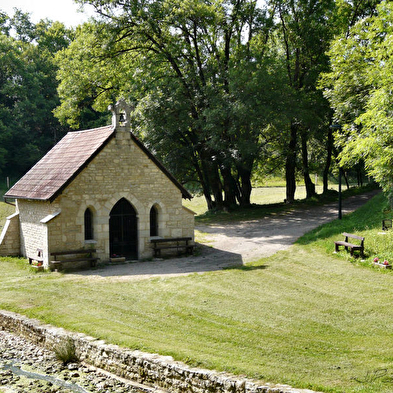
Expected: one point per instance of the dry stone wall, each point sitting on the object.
(149, 369)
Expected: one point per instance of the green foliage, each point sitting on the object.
(358, 88)
(203, 79)
(28, 92)
(304, 31)
(219, 89)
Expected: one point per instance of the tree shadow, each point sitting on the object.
(206, 259)
(247, 268)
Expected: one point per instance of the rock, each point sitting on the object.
(21, 353)
(72, 366)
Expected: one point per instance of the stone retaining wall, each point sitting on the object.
(144, 368)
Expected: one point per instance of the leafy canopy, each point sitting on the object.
(359, 88)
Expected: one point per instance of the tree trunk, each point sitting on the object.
(230, 188)
(290, 164)
(359, 174)
(346, 179)
(216, 186)
(245, 187)
(310, 186)
(326, 171)
(202, 176)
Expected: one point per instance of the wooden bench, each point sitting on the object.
(353, 247)
(81, 255)
(38, 258)
(177, 243)
(386, 224)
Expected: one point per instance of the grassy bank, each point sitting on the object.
(366, 222)
(307, 320)
(304, 317)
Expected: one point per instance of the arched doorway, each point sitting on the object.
(123, 230)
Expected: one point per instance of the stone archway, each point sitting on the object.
(123, 230)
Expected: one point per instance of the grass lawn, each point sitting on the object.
(5, 211)
(306, 317)
(260, 195)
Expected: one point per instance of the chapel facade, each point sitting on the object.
(101, 189)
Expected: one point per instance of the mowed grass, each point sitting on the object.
(305, 317)
(307, 320)
(366, 222)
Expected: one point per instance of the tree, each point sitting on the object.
(192, 69)
(305, 29)
(358, 88)
(28, 92)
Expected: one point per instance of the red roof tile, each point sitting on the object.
(60, 165)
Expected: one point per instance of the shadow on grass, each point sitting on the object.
(207, 259)
(255, 211)
(247, 268)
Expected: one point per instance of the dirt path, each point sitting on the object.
(264, 237)
(227, 245)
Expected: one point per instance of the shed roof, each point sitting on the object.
(56, 170)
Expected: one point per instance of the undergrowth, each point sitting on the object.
(65, 351)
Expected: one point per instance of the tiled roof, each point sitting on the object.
(48, 178)
(61, 164)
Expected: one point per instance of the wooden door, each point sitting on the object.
(123, 230)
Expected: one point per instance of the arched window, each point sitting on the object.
(89, 232)
(153, 221)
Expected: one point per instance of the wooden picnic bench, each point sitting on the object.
(74, 257)
(177, 243)
(353, 247)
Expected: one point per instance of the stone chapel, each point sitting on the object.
(99, 188)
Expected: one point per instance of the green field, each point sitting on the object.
(5, 211)
(305, 317)
(259, 195)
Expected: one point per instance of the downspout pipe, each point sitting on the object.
(9, 203)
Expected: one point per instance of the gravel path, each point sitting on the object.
(227, 245)
(264, 237)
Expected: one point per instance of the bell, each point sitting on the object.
(122, 118)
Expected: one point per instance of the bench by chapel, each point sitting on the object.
(351, 246)
(177, 243)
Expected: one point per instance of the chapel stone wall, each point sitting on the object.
(34, 232)
(120, 170)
